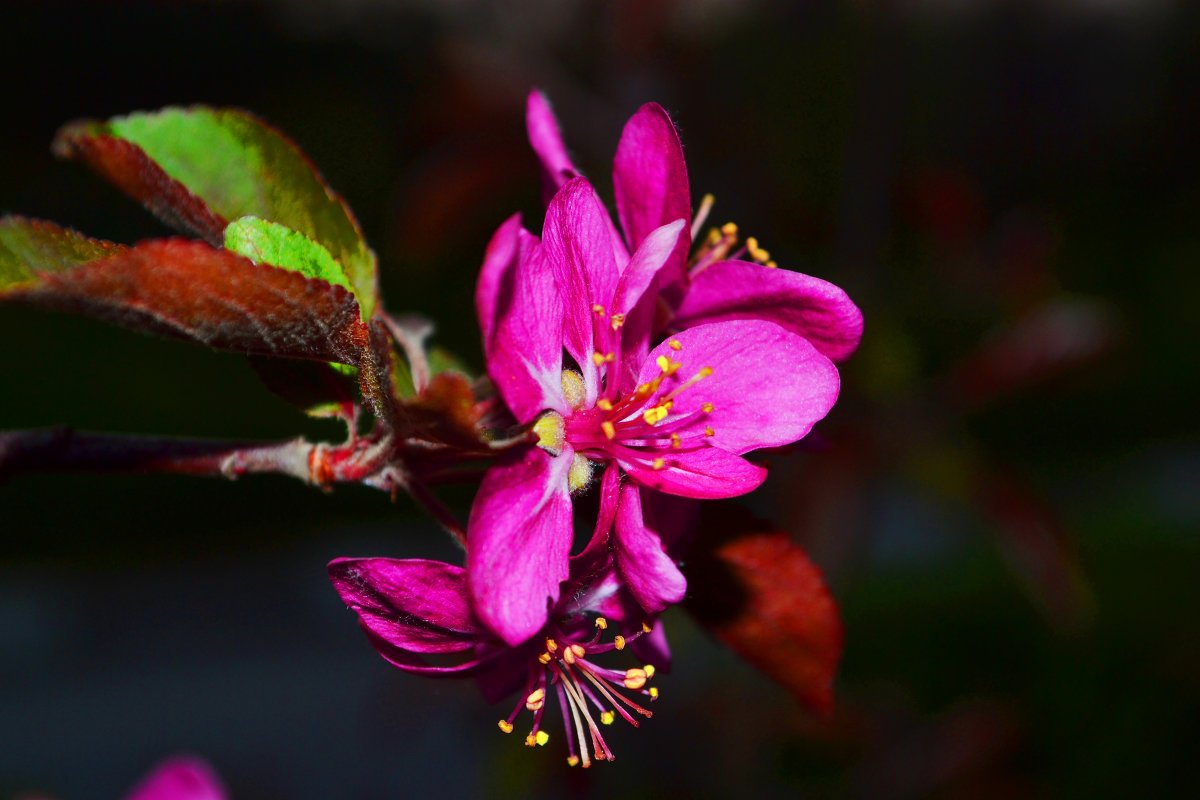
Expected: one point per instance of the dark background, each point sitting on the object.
(1007, 509)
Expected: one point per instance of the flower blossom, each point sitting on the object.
(180, 778)
(410, 608)
(570, 355)
(723, 279)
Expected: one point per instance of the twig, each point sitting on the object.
(65, 450)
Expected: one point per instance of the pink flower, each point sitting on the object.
(410, 608)
(180, 778)
(650, 184)
(570, 355)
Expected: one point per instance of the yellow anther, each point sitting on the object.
(656, 414)
(599, 309)
(646, 627)
(704, 372)
(530, 740)
(545, 658)
(709, 432)
(714, 236)
(635, 678)
(601, 623)
(542, 737)
(649, 668)
(551, 645)
(604, 404)
(659, 463)
(572, 761)
(573, 388)
(568, 655)
(578, 650)
(551, 430)
(579, 475)
(536, 699)
(756, 252)
(676, 442)
(597, 358)
(667, 366)
(607, 717)
(707, 408)
(729, 229)
(619, 642)
(675, 345)
(771, 264)
(610, 430)
(653, 692)
(505, 725)
(617, 321)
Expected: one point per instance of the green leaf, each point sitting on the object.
(29, 246)
(442, 360)
(271, 243)
(233, 165)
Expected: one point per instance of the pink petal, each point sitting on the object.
(596, 551)
(635, 302)
(518, 541)
(652, 576)
(577, 248)
(547, 142)
(768, 386)
(498, 260)
(650, 182)
(813, 308)
(706, 473)
(650, 257)
(180, 778)
(410, 661)
(417, 605)
(520, 304)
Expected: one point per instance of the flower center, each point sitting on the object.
(642, 427)
(565, 668)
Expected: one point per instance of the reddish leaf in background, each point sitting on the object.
(758, 593)
(1059, 336)
(1032, 537)
(188, 290)
(127, 167)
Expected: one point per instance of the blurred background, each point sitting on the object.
(1005, 507)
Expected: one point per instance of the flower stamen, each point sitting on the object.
(581, 685)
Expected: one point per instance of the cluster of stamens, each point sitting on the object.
(627, 426)
(582, 687)
(722, 243)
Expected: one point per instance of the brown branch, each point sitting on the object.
(65, 450)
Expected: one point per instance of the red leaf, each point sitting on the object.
(127, 167)
(188, 290)
(1032, 536)
(759, 594)
(1059, 336)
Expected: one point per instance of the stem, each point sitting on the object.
(63, 449)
